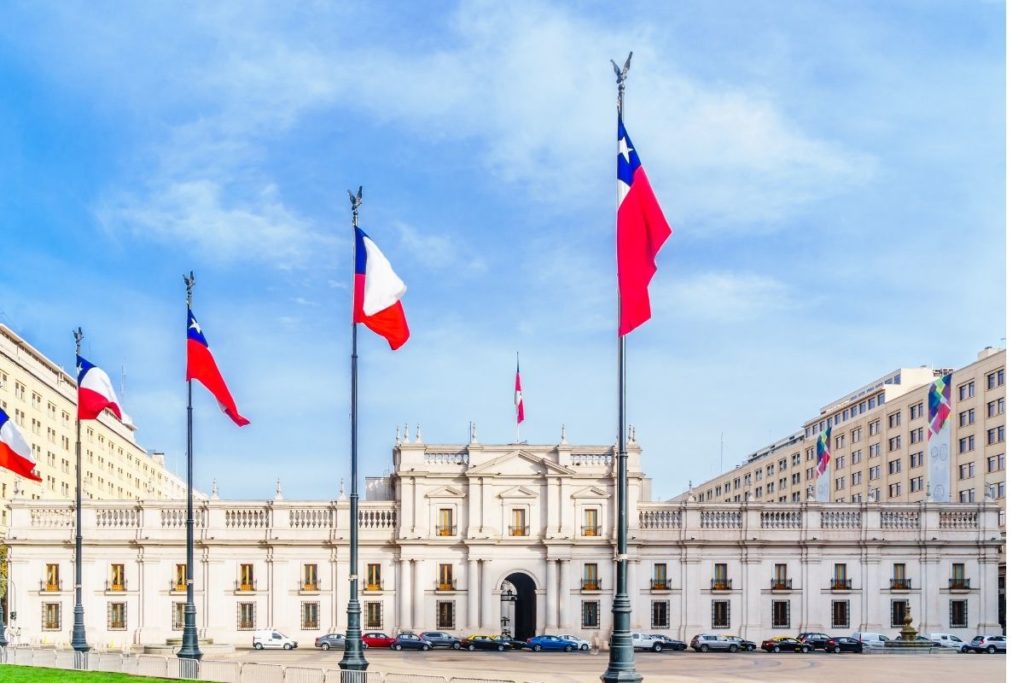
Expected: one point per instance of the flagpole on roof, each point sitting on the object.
(78, 640)
(189, 635)
(621, 661)
(353, 659)
(518, 393)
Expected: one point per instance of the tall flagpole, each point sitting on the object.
(189, 637)
(78, 641)
(518, 397)
(353, 659)
(621, 663)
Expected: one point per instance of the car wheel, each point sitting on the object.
(397, 647)
(471, 647)
(805, 649)
(837, 650)
(991, 649)
(258, 646)
(536, 648)
(325, 647)
(775, 649)
(584, 647)
(703, 648)
(568, 648)
(501, 648)
(751, 648)
(733, 648)
(657, 647)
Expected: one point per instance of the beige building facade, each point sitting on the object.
(41, 399)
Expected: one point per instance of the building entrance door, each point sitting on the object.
(524, 612)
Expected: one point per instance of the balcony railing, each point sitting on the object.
(445, 530)
(445, 586)
(780, 584)
(111, 587)
(721, 584)
(661, 584)
(842, 584)
(899, 584)
(588, 530)
(309, 586)
(50, 586)
(245, 586)
(959, 584)
(590, 584)
(178, 586)
(519, 531)
(371, 587)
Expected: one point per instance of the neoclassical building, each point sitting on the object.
(472, 538)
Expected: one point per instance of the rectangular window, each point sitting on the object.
(856, 457)
(659, 614)
(917, 484)
(310, 580)
(52, 577)
(780, 613)
(518, 527)
(374, 612)
(898, 611)
(840, 462)
(445, 524)
(373, 576)
(874, 450)
(591, 614)
(855, 435)
(840, 614)
(310, 616)
(51, 616)
(966, 391)
(874, 473)
(445, 577)
(995, 379)
(445, 614)
(967, 470)
(840, 440)
(917, 435)
(769, 471)
(996, 407)
(856, 478)
(660, 579)
(117, 577)
(874, 427)
(967, 417)
(895, 466)
(895, 443)
(996, 435)
(895, 490)
(590, 580)
(246, 616)
(916, 459)
(840, 483)
(967, 496)
(117, 616)
(958, 614)
(245, 578)
(720, 613)
(177, 616)
(590, 527)
(894, 420)
(917, 410)
(967, 444)
(997, 463)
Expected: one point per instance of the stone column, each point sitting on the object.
(473, 596)
(551, 595)
(405, 596)
(417, 593)
(487, 622)
(633, 586)
(565, 621)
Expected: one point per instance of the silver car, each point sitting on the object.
(989, 644)
(705, 642)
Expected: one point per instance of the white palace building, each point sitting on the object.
(461, 537)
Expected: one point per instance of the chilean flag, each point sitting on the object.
(642, 229)
(377, 293)
(15, 453)
(201, 366)
(520, 405)
(95, 392)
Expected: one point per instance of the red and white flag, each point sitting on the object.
(520, 406)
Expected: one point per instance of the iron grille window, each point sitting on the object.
(310, 616)
(177, 616)
(958, 614)
(51, 616)
(659, 614)
(117, 616)
(591, 614)
(898, 612)
(445, 614)
(374, 612)
(246, 616)
(840, 614)
(720, 613)
(780, 613)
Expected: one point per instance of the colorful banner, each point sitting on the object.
(939, 435)
(823, 481)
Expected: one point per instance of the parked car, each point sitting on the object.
(990, 644)
(584, 646)
(485, 643)
(671, 643)
(843, 644)
(784, 644)
(815, 640)
(648, 641)
(947, 640)
(409, 641)
(538, 643)
(377, 639)
(440, 639)
(272, 640)
(330, 640)
(512, 643)
(871, 641)
(705, 642)
(747, 645)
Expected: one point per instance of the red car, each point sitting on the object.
(377, 639)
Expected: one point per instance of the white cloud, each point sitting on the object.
(438, 251)
(724, 297)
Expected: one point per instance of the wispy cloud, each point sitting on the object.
(724, 297)
(438, 251)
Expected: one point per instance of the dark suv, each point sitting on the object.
(441, 639)
(819, 641)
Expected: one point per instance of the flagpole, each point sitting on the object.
(621, 661)
(518, 398)
(78, 641)
(353, 659)
(189, 637)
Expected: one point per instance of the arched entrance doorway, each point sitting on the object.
(519, 605)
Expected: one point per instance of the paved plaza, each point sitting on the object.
(557, 667)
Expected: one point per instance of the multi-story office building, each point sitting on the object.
(41, 399)
(476, 538)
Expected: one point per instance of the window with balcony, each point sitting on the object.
(899, 578)
(116, 578)
(445, 577)
(310, 616)
(659, 614)
(310, 577)
(177, 616)
(374, 612)
(445, 614)
(52, 581)
(445, 522)
(958, 614)
(180, 583)
(840, 614)
(590, 580)
(840, 581)
(245, 616)
(117, 616)
(780, 613)
(591, 614)
(660, 581)
(958, 577)
(246, 582)
(720, 580)
(51, 616)
(780, 580)
(373, 577)
(720, 613)
(518, 526)
(590, 527)
(897, 612)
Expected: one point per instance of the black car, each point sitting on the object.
(744, 645)
(409, 641)
(486, 643)
(843, 644)
(784, 644)
(440, 639)
(817, 641)
(672, 643)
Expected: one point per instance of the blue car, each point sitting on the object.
(538, 643)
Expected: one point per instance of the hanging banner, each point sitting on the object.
(823, 481)
(939, 435)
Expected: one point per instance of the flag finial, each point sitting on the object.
(79, 336)
(357, 200)
(190, 282)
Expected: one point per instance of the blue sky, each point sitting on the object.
(833, 172)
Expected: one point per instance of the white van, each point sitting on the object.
(272, 639)
(947, 640)
(872, 641)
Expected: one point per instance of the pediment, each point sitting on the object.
(590, 493)
(444, 492)
(518, 463)
(517, 492)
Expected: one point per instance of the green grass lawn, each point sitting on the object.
(10, 673)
